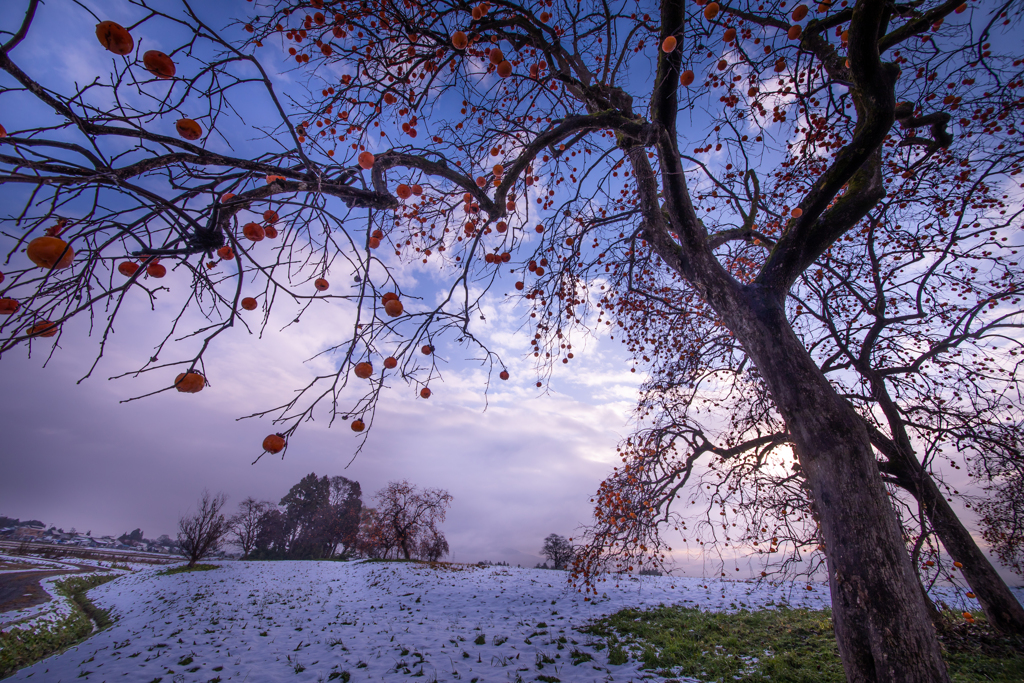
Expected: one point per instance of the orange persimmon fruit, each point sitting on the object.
(114, 37)
(43, 328)
(159, 64)
(254, 231)
(189, 382)
(189, 129)
(50, 252)
(274, 443)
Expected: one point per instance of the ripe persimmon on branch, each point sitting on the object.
(682, 170)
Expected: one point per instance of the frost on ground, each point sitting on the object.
(311, 621)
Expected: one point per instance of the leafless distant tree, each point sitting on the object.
(407, 515)
(432, 547)
(558, 550)
(200, 534)
(244, 526)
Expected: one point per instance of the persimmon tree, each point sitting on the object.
(932, 373)
(723, 151)
(915, 319)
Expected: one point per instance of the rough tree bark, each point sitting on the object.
(881, 621)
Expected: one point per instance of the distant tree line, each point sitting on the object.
(317, 519)
(323, 518)
(14, 521)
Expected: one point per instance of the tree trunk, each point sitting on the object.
(882, 626)
(404, 545)
(1001, 607)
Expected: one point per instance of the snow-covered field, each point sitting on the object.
(310, 621)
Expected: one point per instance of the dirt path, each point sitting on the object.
(19, 590)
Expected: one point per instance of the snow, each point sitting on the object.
(303, 621)
(38, 564)
(57, 607)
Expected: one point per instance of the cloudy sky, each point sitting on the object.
(520, 462)
(522, 468)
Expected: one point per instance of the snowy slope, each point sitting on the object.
(304, 621)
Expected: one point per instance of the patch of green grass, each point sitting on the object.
(22, 647)
(793, 645)
(185, 568)
(977, 652)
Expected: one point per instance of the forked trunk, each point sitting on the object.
(882, 626)
(1001, 607)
